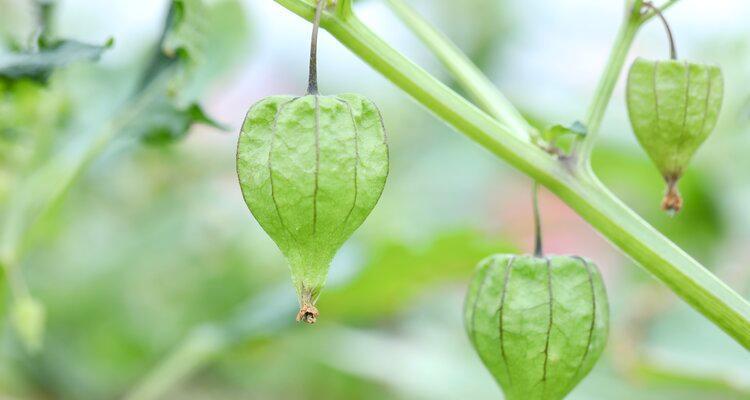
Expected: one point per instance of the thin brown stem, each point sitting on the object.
(312, 86)
(538, 248)
(657, 11)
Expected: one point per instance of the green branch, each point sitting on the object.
(264, 315)
(606, 88)
(581, 191)
(468, 75)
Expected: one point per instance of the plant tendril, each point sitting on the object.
(672, 45)
(312, 86)
(537, 223)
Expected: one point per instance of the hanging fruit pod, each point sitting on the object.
(311, 169)
(539, 324)
(673, 108)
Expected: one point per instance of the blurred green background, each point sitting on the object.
(122, 216)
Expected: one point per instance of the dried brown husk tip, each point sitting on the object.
(672, 201)
(308, 313)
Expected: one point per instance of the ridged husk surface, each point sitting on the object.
(539, 324)
(311, 169)
(673, 108)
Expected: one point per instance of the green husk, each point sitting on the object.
(539, 324)
(311, 170)
(673, 107)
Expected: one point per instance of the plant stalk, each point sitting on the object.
(466, 73)
(580, 190)
(606, 87)
(667, 28)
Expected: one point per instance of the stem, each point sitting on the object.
(580, 190)
(201, 344)
(312, 83)
(670, 36)
(466, 73)
(538, 248)
(607, 84)
(663, 9)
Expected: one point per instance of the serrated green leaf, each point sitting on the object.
(38, 65)
(194, 48)
(186, 35)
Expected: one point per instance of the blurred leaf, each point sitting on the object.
(398, 273)
(18, 21)
(185, 36)
(30, 114)
(191, 52)
(38, 65)
(676, 376)
(28, 317)
(182, 44)
(698, 228)
(164, 123)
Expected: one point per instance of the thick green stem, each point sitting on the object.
(579, 189)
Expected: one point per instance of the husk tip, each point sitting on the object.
(308, 313)
(672, 202)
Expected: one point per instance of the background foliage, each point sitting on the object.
(152, 243)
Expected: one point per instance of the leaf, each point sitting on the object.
(399, 273)
(186, 33)
(555, 132)
(194, 48)
(30, 115)
(560, 138)
(165, 123)
(38, 65)
(18, 22)
(183, 44)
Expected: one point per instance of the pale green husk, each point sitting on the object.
(311, 169)
(673, 107)
(539, 324)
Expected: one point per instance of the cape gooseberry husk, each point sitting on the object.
(311, 169)
(673, 107)
(539, 324)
